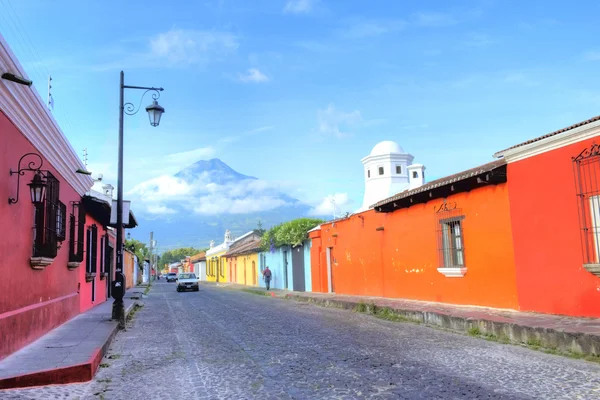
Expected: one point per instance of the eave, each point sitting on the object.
(494, 176)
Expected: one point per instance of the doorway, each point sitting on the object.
(330, 261)
(298, 269)
(285, 269)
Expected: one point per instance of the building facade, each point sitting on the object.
(554, 191)
(40, 290)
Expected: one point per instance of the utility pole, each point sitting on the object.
(150, 258)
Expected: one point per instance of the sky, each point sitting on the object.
(296, 92)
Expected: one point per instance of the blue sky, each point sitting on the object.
(296, 92)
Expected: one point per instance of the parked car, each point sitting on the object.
(187, 281)
(171, 277)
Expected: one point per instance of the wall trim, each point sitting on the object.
(24, 107)
(550, 143)
(452, 272)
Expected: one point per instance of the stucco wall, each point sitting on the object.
(99, 283)
(31, 301)
(401, 260)
(274, 260)
(548, 251)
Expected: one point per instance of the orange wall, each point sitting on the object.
(402, 260)
(543, 205)
(128, 266)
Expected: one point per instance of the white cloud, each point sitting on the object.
(184, 47)
(330, 120)
(160, 209)
(299, 6)
(197, 194)
(253, 75)
(334, 204)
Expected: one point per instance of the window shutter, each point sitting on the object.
(94, 253)
(61, 223)
(88, 255)
(107, 252)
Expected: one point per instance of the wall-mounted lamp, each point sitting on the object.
(37, 187)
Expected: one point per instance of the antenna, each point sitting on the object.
(85, 157)
(50, 99)
(332, 200)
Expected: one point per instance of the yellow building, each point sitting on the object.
(217, 267)
(242, 263)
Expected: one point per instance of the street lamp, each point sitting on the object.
(155, 112)
(37, 188)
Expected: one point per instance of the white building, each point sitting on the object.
(389, 170)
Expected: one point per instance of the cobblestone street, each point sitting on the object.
(226, 344)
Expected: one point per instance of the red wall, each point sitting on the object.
(100, 282)
(31, 301)
(548, 257)
(401, 260)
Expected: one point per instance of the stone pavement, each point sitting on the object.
(229, 344)
(579, 336)
(69, 353)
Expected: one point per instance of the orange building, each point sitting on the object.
(447, 241)
(554, 190)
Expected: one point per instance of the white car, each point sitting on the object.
(187, 281)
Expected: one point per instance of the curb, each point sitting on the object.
(72, 374)
(571, 343)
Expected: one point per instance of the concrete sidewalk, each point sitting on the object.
(70, 353)
(573, 336)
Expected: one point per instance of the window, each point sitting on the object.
(380, 170)
(368, 173)
(452, 243)
(92, 250)
(450, 237)
(398, 169)
(415, 174)
(76, 233)
(586, 169)
(61, 222)
(47, 227)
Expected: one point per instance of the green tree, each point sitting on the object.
(176, 255)
(139, 249)
(291, 233)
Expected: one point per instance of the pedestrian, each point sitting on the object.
(267, 277)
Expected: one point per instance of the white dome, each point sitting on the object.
(386, 147)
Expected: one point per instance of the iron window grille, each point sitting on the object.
(76, 232)
(107, 254)
(92, 249)
(46, 227)
(450, 236)
(586, 168)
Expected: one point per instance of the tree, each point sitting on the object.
(291, 233)
(139, 249)
(260, 231)
(176, 255)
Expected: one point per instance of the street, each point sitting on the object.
(226, 344)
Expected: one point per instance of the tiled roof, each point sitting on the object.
(246, 248)
(198, 257)
(444, 181)
(568, 128)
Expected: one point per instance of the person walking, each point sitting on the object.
(267, 277)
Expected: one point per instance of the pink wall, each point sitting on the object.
(99, 283)
(31, 301)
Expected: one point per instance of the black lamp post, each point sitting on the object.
(37, 189)
(155, 111)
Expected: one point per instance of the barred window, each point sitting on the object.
(76, 232)
(47, 227)
(92, 250)
(450, 236)
(586, 168)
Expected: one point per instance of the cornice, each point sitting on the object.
(26, 110)
(550, 143)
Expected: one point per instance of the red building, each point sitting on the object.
(39, 289)
(554, 191)
(57, 251)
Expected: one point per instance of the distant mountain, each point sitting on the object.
(186, 228)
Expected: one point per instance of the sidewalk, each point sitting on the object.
(574, 336)
(70, 353)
